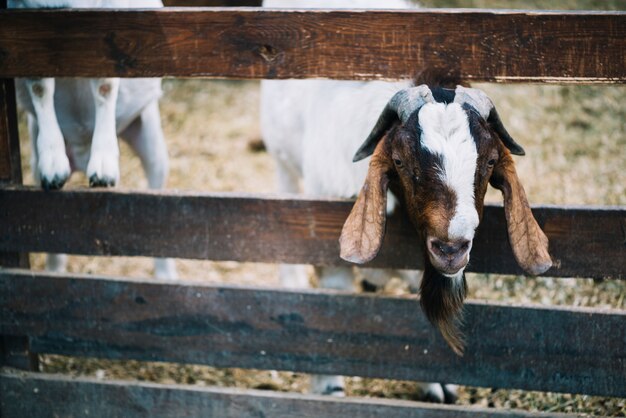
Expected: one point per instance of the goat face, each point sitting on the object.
(438, 149)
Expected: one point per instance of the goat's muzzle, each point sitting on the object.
(448, 257)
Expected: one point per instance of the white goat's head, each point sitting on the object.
(437, 149)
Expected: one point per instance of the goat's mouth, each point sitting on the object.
(448, 257)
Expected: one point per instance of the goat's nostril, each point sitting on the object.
(449, 249)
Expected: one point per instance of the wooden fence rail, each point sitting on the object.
(571, 350)
(584, 242)
(483, 45)
(40, 395)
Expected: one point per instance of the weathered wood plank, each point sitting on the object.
(483, 45)
(8, 128)
(585, 242)
(562, 350)
(38, 395)
(14, 350)
(10, 164)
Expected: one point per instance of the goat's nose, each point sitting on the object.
(448, 249)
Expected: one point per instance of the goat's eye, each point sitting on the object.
(397, 162)
(491, 162)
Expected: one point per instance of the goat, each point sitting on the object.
(74, 123)
(437, 149)
(434, 148)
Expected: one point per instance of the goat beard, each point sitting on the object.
(442, 301)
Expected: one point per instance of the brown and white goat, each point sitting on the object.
(437, 149)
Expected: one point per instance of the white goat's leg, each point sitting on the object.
(339, 278)
(52, 167)
(287, 178)
(103, 168)
(291, 276)
(145, 136)
(56, 263)
(431, 392)
(325, 384)
(375, 278)
(451, 393)
(33, 131)
(412, 277)
(437, 393)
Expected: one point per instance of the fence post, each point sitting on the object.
(14, 350)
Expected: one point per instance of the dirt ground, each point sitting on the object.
(575, 140)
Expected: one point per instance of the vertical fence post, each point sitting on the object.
(14, 350)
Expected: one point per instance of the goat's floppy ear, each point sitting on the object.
(529, 243)
(363, 231)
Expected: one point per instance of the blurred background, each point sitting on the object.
(575, 141)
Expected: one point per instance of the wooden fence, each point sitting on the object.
(575, 350)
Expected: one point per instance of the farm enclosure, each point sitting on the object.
(608, 189)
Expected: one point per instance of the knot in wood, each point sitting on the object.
(268, 52)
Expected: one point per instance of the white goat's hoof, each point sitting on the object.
(438, 393)
(54, 169)
(103, 170)
(451, 393)
(328, 385)
(336, 391)
(368, 287)
(434, 393)
(56, 263)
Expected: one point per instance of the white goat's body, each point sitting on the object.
(74, 123)
(314, 127)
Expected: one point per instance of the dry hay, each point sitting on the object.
(574, 138)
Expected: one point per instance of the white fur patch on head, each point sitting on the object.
(445, 132)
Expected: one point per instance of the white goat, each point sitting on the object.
(74, 123)
(437, 149)
(312, 129)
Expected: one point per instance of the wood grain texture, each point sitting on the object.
(584, 242)
(10, 164)
(483, 45)
(536, 348)
(41, 395)
(14, 350)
